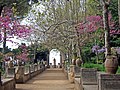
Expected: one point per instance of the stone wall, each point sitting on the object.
(8, 84)
(22, 77)
(90, 79)
(109, 81)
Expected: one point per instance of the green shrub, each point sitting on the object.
(100, 67)
(118, 71)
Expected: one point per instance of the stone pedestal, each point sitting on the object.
(109, 81)
(71, 74)
(11, 72)
(32, 68)
(20, 74)
(77, 71)
(89, 76)
(27, 70)
(38, 66)
(35, 67)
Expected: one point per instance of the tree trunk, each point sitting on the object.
(35, 51)
(1, 8)
(119, 12)
(106, 27)
(79, 47)
(4, 41)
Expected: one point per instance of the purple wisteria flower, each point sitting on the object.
(118, 50)
(102, 50)
(96, 49)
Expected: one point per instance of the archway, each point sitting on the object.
(54, 54)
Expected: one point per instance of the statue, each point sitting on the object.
(54, 62)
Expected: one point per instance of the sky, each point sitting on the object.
(14, 44)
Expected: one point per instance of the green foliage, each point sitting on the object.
(67, 63)
(115, 41)
(93, 7)
(20, 7)
(16, 51)
(114, 10)
(99, 67)
(1, 69)
(118, 71)
(86, 52)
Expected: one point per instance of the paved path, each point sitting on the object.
(51, 79)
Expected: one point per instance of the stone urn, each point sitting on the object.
(73, 62)
(78, 62)
(111, 64)
(19, 63)
(10, 64)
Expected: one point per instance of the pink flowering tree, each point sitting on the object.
(11, 27)
(87, 30)
(93, 23)
(23, 53)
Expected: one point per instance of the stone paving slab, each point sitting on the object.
(51, 79)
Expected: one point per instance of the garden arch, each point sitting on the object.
(54, 54)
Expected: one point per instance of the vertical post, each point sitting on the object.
(106, 26)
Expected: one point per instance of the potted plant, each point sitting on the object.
(111, 60)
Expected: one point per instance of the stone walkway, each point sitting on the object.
(51, 79)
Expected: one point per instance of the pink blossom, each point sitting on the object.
(93, 23)
(12, 27)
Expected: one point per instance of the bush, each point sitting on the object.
(100, 67)
(118, 71)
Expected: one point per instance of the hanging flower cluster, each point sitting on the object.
(11, 26)
(97, 49)
(23, 55)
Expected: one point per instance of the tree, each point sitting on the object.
(106, 26)
(20, 7)
(10, 27)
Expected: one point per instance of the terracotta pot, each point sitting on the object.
(111, 64)
(73, 62)
(78, 62)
